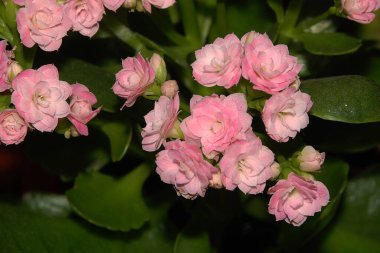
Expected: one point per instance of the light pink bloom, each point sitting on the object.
(360, 11)
(40, 97)
(159, 122)
(13, 128)
(4, 63)
(81, 103)
(285, 114)
(161, 4)
(296, 198)
(113, 5)
(216, 122)
(246, 165)
(85, 15)
(270, 68)
(132, 81)
(219, 63)
(19, 2)
(310, 159)
(43, 22)
(182, 165)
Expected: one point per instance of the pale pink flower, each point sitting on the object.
(285, 114)
(19, 2)
(360, 11)
(81, 103)
(4, 63)
(296, 198)
(43, 22)
(182, 165)
(310, 159)
(247, 165)
(13, 128)
(132, 81)
(161, 4)
(219, 63)
(113, 5)
(85, 15)
(40, 97)
(270, 68)
(159, 122)
(216, 122)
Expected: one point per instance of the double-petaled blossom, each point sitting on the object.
(13, 128)
(219, 63)
(361, 11)
(161, 4)
(182, 165)
(40, 97)
(296, 198)
(4, 64)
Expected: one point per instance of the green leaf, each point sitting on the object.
(329, 43)
(188, 243)
(5, 101)
(356, 229)
(277, 7)
(49, 204)
(110, 203)
(350, 99)
(95, 78)
(334, 175)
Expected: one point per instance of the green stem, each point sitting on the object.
(291, 16)
(190, 21)
(309, 23)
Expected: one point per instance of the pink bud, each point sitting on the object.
(13, 70)
(310, 159)
(276, 170)
(169, 88)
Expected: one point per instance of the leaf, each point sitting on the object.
(49, 204)
(5, 101)
(350, 99)
(95, 78)
(187, 242)
(334, 175)
(277, 7)
(329, 43)
(110, 203)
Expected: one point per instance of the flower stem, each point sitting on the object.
(309, 23)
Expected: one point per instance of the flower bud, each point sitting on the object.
(276, 170)
(13, 70)
(310, 159)
(216, 181)
(130, 4)
(296, 84)
(249, 37)
(169, 88)
(159, 67)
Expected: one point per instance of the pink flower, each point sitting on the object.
(40, 98)
(360, 11)
(159, 122)
(19, 2)
(219, 63)
(113, 5)
(285, 114)
(216, 122)
(246, 165)
(270, 68)
(132, 81)
(182, 165)
(310, 159)
(13, 128)
(43, 22)
(161, 4)
(296, 198)
(85, 15)
(81, 104)
(4, 63)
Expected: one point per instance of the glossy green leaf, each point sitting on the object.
(188, 243)
(334, 175)
(95, 78)
(49, 204)
(111, 203)
(350, 99)
(329, 43)
(356, 227)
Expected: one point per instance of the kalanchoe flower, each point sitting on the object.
(4, 64)
(13, 128)
(310, 159)
(296, 198)
(43, 22)
(81, 112)
(182, 165)
(113, 5)
(216, 122)
(285, 114)
(270, 68)
(161, 4)
(132, 81)
(360, 11)
(40, 97)
(85, 15)
(159, 122)
(219, 63)
(246, 165)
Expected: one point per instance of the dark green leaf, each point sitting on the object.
(49, 204)
(188, 243)
(107, 202)
(329, 43)
(350, 99)
(95, 78)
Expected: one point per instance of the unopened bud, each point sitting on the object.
(13, 70)
(296, 84)
(130, 4)
(276, 170)
(216, 181)
(249, 37)
(159, 67)
(310, 159)
(169, 88)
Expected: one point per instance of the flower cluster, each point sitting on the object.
(46, 22)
